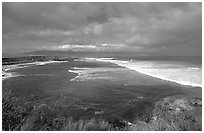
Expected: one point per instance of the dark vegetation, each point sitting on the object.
(29, 59)
(30, 114)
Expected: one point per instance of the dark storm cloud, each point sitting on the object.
(101, 17)
(140, 27)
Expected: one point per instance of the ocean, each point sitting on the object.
(186, 72)
(112, 88)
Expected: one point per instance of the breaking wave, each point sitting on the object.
(88, 74)
(184, 74)
(6, 68)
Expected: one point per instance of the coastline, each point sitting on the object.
(135, 107)
(124, 64)
(6, 68)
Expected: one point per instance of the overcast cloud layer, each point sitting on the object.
(148, 28)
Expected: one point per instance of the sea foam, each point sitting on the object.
(6, 68)
(90, 74)
(170, 71)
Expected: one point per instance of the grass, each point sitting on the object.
(172, 114)
(62, 124)
(169, 114)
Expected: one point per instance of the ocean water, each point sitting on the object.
(181, 72)
(122, 88)
(6, 68)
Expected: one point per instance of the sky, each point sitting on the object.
(143, 28)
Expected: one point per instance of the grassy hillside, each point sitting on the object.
(171, 113)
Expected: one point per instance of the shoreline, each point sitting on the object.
(122, 64)
(6, 68)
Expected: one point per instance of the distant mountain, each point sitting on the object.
(79, 53)
(9, 55)
(50, 53)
